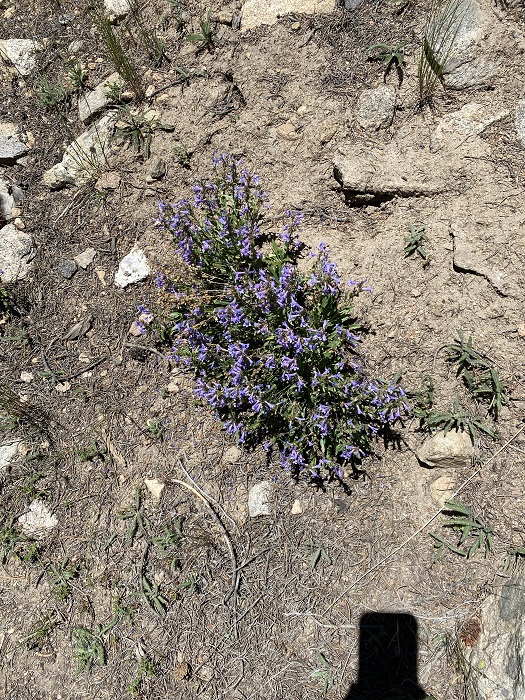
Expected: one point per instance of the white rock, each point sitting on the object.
(37, 520)
(7, 203)
(257, 12)
(93, 103)
(8, 451)
(11, 147)
(84, 157)
(133, 268)
(155, 487)
(297, 508)
(453, 450)
(21, 53)
(27, 377)
(16, 253)
(376, 107)
(85, 258)
(520, 120)
(472, 119)
(259, 499)
(117, 8)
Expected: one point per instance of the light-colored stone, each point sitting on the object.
(442, 489)
(297, 508)
(133, 268)
(92, 104)
(83, 157)
(472, 119)
(257, 12)
(8, 451)
(11, 148)
(519, 120)
(37, 520)
(85, 258)
(155, 487)
(117, 8)
(328, 131)
(26, 377)
(20, 53)
(108, 181)
(232, 455)
(287, 131)
(16, 253)
(7, 203)
(376, 107)
(453, 450)
(259, 498)
(497, 659)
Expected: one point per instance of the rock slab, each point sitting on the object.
(257, 12)
(92, 104)
(453, 450)
(20, 53)
(11, 148)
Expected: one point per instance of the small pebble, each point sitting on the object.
(67, 268)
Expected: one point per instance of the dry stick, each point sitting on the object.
(417, 532)
(204, 499)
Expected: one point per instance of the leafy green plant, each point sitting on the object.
(139, 128)
(478, 373)
(138, 521)
(52, 96)
(77, 76)
(13, 542)
(123, 63)
(414, 242)
(154, 428)
(324, 674)
(6, 300)
(390, 56)
(61, 575)
(182, 155)
(205, 37)
(439, 37)
(189, 584)
(316, 553)
(168, 542)
(89, 647)
(91, 451)
(157, 602)
(274, 348)
(147, 668)
(473, 534)
(456, 419)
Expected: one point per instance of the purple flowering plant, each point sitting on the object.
(274, 350)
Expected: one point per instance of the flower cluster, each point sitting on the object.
(274, 350)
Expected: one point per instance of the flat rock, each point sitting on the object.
(85, 258)
(8, 451)
(117, 8)
(11, 148)
(155, 487)
(16, 253)
(37, 520)
(83, 157)
(259, 498)
(109, 180)
(471, 120)
(133, 268)
(232, 455)
(67, 268)
(353, 4)
(7, 202)
(257, 12)
(376, 107)
(20, 53)
(519, 120)
(497, 657)
(442, 489)
(92, 104)
(370, 174)
(453, 450)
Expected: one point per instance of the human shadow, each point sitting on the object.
(388, 653)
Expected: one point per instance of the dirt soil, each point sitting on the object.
(265, 607)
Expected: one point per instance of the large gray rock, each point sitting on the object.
(520, 120)
(376, 107)
(369, 175)
(498, 659)
(453, 450)
(93, 103)
(11, 147)
(16, 253)
(257, 12)
(83, 158)
(20, 53)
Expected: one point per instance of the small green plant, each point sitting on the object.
(154, 428)
(139, 127)
(147, 668)
(414, 242)
(138, 521)
(478, 373)
(6, 300)
(61, 575)
(89, 647)
(182, 155)
(189, 585)
(77, 76)
(205, 37)
(37, 638)
(91, 451)
(114, 93)
(316, 553)
(13, 542)
(324, 674)
(441, 29)
(168, 542)
(473, 534)
(157, 602)
(52, 96)
(123, 63)
(390, 56)
(456, 419)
